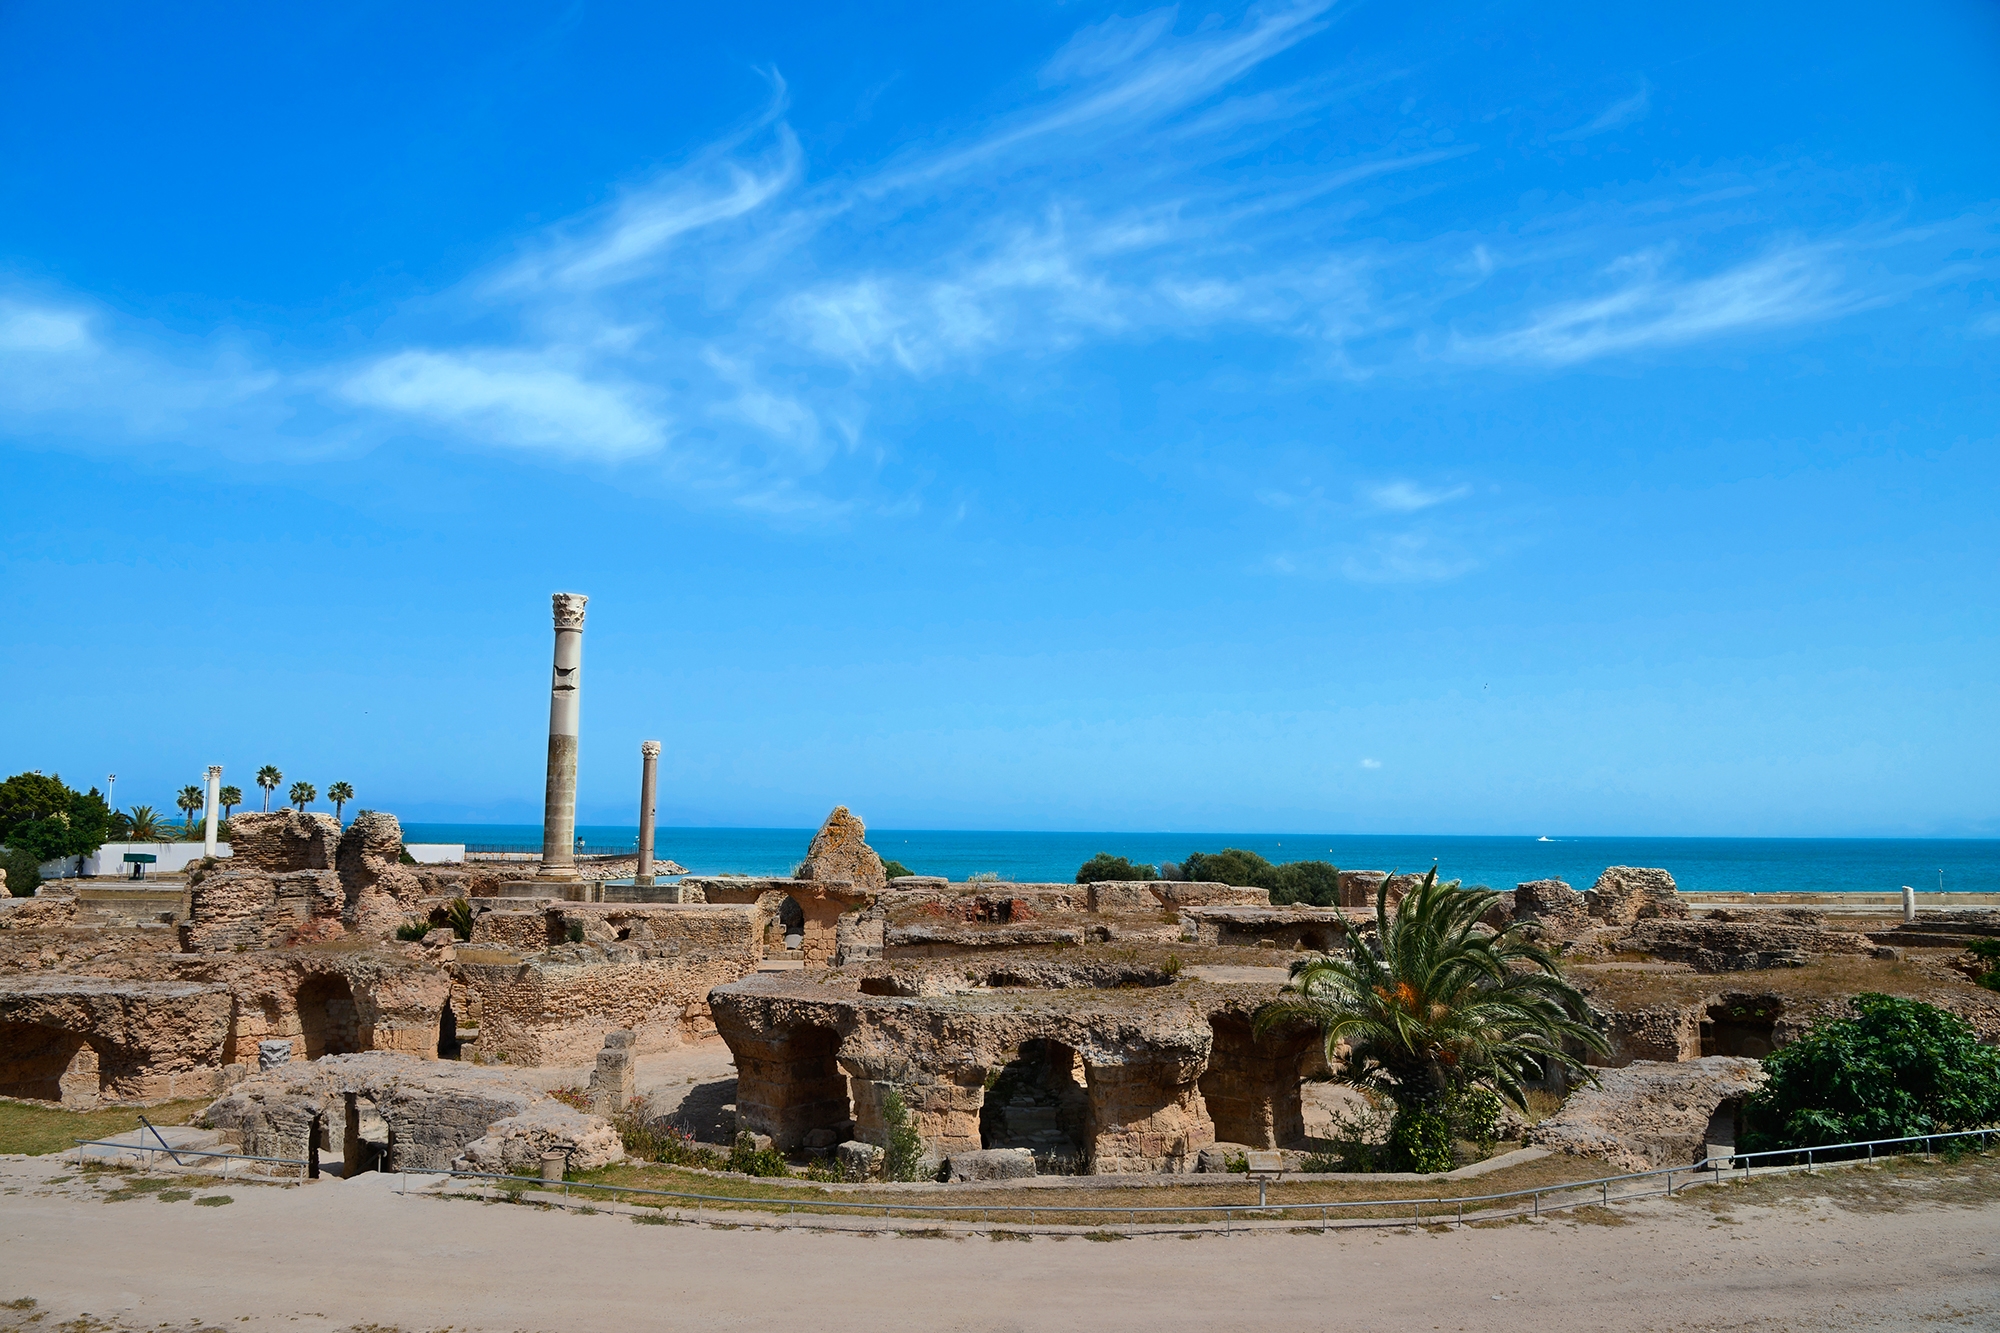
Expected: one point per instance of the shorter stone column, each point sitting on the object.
(649, 781)
(1909, 903)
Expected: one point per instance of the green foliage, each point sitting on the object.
(751, 1160)
(1475, 1115)
(675, 1147)
(340, 793)
(142, 825)
(29, 798)
(1984, 949)
(1172, 967)
(1312, 883)
(229, 798)
(1105, 866)
(1897, 1068)
(414, 930)
(303, 794)
(189, 800)
(1420, 1140)
(42, 817)
(268, 777)
(899, 1161)
(895, 869)
(1435, 1004)
(458, 915)
(24, 871)
(575, 932)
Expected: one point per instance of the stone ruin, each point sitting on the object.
(1025, 1028)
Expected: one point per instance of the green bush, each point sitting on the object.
(751, 1160)
(458, 915)
(900, 1160)
(895, 869)
(1475, 1115)
(41, 817)
(1312, 883)
(1105, 866)
(24, 871)
(1898, 1068)
(413, 930)
(1420, 1140)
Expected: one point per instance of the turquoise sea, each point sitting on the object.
(1754, 865)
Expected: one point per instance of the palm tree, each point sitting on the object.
(268, 777)
(229, 798)
(189, 801)
(303, 795)
(1437, 1004)
(143, 825)
(340, 794)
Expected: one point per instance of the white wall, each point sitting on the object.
(110, 859)
(436, 853)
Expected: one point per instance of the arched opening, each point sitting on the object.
(448, 1045)
(1741, 1025)
(47, 1064)
(1037, 1101)
(369, 1143)
(1252, 1085)
(328, 1018)
(792, 923)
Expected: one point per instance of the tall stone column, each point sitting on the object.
(214, 795)
(559, 806)
(649, 782)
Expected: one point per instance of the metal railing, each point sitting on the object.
(1533, 1201)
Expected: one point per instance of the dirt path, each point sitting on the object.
(1879, 1250)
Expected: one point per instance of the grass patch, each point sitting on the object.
(174, 1196)
(1102, 1235)
(1008, 1235)
(214, 1201)
(1597, 1215)
(38, 1129)
(1894, 1185)
(654, 1220)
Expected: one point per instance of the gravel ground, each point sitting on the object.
(1905, 1247)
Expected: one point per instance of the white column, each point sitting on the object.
(1909, 903)
(649, 781)
(214, 795)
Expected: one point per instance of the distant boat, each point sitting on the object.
(1545, 839)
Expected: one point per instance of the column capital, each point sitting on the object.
(215, 770)
(569, 609)
(650, 749)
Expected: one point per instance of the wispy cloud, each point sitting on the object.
(511, 398)
(1406, 497)
(1621, 112)
(1646, 309)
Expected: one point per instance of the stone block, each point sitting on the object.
(271, 1054)
(858, 1160)
(991, 1164)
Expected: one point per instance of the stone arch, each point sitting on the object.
(448, 1044)
(791, 923)
(1741, 1025)
(1251, 1084)
(1038, 1100)
(329, 1019)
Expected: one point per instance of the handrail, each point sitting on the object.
(1712, 1168)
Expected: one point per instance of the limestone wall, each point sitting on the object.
(86, 1041)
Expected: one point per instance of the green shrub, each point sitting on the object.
(1898, 1068)
(899, 1162)
(458, 915)
(751, 1160)
(895, 869)
(575, 932)
(1312, 883)
(24, 871)
(413, 930)
(1475, 1115)
(1172, 967)
(1420, 1140)
(1105, 866)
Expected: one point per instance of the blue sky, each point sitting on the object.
(1363, 417)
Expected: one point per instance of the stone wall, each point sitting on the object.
(89, 1041)
(1625, 894)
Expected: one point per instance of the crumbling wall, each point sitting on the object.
(1625, 894)
(88, 1041)
(1649, 1115)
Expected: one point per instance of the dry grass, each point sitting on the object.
(1896, 1185)
(36, 1128)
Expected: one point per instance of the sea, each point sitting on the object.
(1736, 865)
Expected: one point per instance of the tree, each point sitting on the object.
(43, 818)
(1435, 1007)
(268, 777)
(1105, 866)
(189, 801)
(1896, 1069)
(1314, 883)
(304, 794)
(143, 825)
(229, 798)
(340, 794)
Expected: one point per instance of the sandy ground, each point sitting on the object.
(1833, 1252)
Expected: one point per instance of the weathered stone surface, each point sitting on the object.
(614, 1082)
(378, 892)
(840, 854)
(1625, 894)
(1131, 895)
(858, 1160)
(1358, 887)
(1737, 946)
(88, 1041)
(991, 1164)
(1552, 902)
(271, 1054)
(281, 841)
(439, 1114)
(1318, 929)
(554, 1007)
(1649, 1115)
(1120, 1073)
